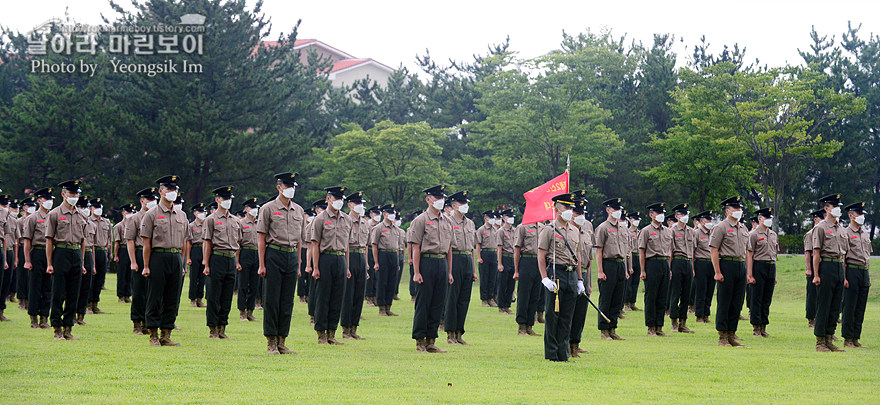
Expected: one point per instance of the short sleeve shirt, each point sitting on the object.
(35, 227)
(283, 225)
(763, 244)
(701, 244)
(613, 239)
(165, 227)
(66, 225)
(224, 231)
(554, 243)
(385, 236)
(486, 237)
(248, 231)
(656, 240)
(730, 240)
(527, 238)
(433, 233)
(830, 238)
(331, 231)
(859, 246)
(464, 234)
(505, 238)
(682, 241)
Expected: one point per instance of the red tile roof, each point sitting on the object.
(338, 66)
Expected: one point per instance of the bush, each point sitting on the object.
(875, 244)
(792, 244)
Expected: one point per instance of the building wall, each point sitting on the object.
(359, 72)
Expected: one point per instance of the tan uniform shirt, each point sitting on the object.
(133, 228)
(808, 240)
(465, 233)
(731, 240)
(360, 232)
(486, 237)
(195, 231)
(553, 243)
(283, 226)
(588, 234)
(763, 244)
(613, 239)
(224, 232)
(656, 240)
(701, 244)
(66, 226)
(10, 231)
(91, 234)
(35, 227)
(103, 231)
(527, 238)
(248, 232)
(331, 231)
(505, 239)
(119, 233)
(401, 240)
(682, 241)
(634, 237)
(859, 246)
(165, 227)
(433, 233)
(385, 236)
(830, 239)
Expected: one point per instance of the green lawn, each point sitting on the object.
(110, 365)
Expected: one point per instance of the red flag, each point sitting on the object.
(539, 206)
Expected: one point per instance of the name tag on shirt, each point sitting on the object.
(829, 231)
(530, 230)
(161, 217)
(384, 230)
(276, 213)
(328, 223)
(760, 239)
(454, 227)
(247, 227)
(429, 223)
(653, 233)
(41, 221)
(218, 223)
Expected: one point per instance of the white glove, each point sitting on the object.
(581, 288)
(549, 284)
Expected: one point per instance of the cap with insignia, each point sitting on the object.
(833, 199)
(377, 209)
(251, 203)
(4, 199)
(438, 191)
(71, 186)
(681, 208)
(13, 203)
(671, 218)
(96, 202)
(497, 213)
(460, 197)
(310, 212)
(613, 203)
(489, 214)
(818, 214)
(565, 199)
(858, 207)
(127, 208)
(705, 214)
(83, 201)
(659, 208)
(169, 181)
(179, 199)
(224, 192)
(200, 207)
(239, 213)
(30, 201)
(212, 206)
(508, 213)
(322, 204)
(337, 192)
(580, 206)
(764, 212)
(735, 201)
(356, 197)
(288, 178)
(754, 219)
(388, 208)
(45, 192)
(148, 193)
(416, 213)
(634, 215)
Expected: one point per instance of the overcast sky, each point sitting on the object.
(394, 32)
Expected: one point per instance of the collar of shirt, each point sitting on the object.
(171, 209)
(330, 213)
(430, 215)
(65, 210)
(458, 220)
(359, 220)
(853, 228)
(217, 214)
(656, 226)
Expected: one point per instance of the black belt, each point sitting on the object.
(434, 255)
(855, 266)
(218, 253)
(563, 267)
(658, 258)
(615, 259)
(733, 259)
(281, 248)
(161, 250)
(333, 252)
(831, 259)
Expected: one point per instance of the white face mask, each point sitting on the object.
(178, 206)
(565, 215)
(98, 211)
(660, 218)
(337, 204)
(635, 223)
(392, 217)
(31, 210)
(616, 214)
(127, 216)
(463, 208)
(860, 219)
(288, 192)
(397, 223)
(201, 216)
(836, 212)
(376, 218)
(84, 211)
(253, 212)
(768, 222)
(709, 225)
(151, 204)
(72, 200)
(684, 219)
(510, 220)
(580, 220)
(359, 209)
(47, 204)
(310, 219)
(226, 204)
(170, 196)
(438, 204)
(737, 215)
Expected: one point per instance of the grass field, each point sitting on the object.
(110, 365)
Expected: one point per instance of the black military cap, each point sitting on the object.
(356, 197)
(224, 192)
(498, 213)
(45, 192)
(681, 208)
(83, 201)
(671, 218)
(4, 199)
(389, 208)
(336, 191)
(416, 213)
(705, 214)
(96, 202)
(377, 209)
(659, 207)
(447, 203)
(735, 201)
(71, 186)
(469, 215)
(179, 199)
(613, 203)
(29, 201)
(128, 207)
(200, 207)
(169, 181)
(754, 219)
(489, 213)
(833, 199)
(212, 206)
(460, 197)
(250, 203)
(580, 206)
(508, 213)
(310, 212)
(13, 203)
(148, 193)
(288, 178)
(239, 213)
(634, 215)
(858, 207)
(438, 191)
(764, 212)
(818, 213)
(580, 195)
(564, 198)
(322, 204)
